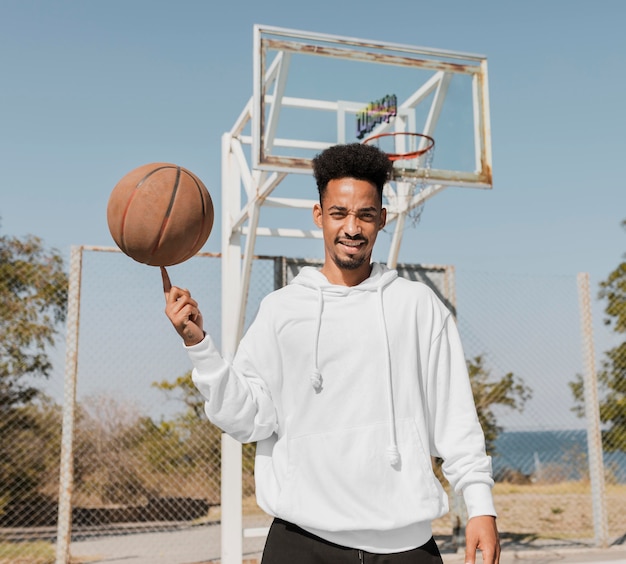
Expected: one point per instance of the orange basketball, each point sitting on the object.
(160, 214)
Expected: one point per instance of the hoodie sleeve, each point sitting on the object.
(456, 434)
(236, 398)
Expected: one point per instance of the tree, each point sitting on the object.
(184, 391)
(33, 293)
(29, 455)
(104, 469)
(509, 391)
(612, 374)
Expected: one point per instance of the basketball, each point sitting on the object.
(160, 214)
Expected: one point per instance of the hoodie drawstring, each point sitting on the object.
(393, 454)
(316, 376)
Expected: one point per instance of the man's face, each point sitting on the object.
(350, 217)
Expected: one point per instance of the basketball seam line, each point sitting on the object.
(204, 218)
(167, 212)
(122, 243)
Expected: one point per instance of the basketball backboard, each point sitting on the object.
(313, 90)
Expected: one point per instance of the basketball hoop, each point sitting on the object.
(412, 155)
(418, 144)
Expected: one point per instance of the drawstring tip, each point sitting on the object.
(393, 455)
(316, 380)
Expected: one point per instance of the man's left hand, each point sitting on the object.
(481, 534)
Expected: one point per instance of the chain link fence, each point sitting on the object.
(535, 332)
(144, 460)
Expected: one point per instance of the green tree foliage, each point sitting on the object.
(508, 391)
(612, 374)
(33, 293)
(182, 389)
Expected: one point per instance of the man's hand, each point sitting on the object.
(481, 533)
(182, 310)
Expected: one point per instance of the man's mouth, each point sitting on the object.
(351, 245)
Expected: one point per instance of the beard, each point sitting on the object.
(349, 264)
(352, 262)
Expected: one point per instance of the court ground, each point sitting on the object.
(200, 545)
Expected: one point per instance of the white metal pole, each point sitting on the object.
(246, 270)
(231, 491)
(396, 241)
(401, 204)
(231, 487)
(66, 478)
(592, 416)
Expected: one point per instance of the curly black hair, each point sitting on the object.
(353, 160)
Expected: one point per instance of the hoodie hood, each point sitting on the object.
(379, 278)
(311, 277)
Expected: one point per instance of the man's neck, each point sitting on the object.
(345, 277)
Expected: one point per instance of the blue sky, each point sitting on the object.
(92, 89)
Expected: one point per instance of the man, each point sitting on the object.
(349, 379)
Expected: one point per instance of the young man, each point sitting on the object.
(349, 380)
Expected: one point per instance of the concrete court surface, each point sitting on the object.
(189, 545)
(613, 555)
(201, 545)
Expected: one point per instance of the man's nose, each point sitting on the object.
(352, 225)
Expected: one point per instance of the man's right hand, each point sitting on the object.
(182, 310)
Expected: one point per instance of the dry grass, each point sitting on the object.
(36, 552)
(552, 511)
(26, 553)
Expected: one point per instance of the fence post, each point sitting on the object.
(592, 416)
(458, 512)
(66, 478)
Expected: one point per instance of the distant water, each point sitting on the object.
(554, 453)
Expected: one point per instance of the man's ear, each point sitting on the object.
(317, 215)
(383, 218)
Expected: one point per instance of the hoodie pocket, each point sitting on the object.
(342, 480)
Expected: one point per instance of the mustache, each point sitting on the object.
(345, 236)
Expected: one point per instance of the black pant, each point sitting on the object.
(289, 544)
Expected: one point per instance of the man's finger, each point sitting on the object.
(167, 285)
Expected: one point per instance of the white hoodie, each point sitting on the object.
(349, 391)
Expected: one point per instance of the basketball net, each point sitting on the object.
(409, 187)
(412, 157)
